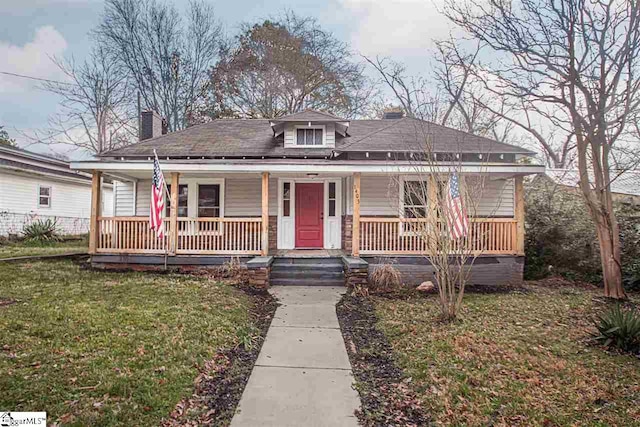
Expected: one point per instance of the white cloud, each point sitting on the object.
(399, 28)
(32, 59)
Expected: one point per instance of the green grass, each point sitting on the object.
(22, 248)
(513, 359)
(96, 348)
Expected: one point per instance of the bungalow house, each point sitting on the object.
(38, 187)
(304, 198)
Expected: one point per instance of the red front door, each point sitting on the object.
(309, 206)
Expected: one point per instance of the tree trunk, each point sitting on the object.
(609, 240)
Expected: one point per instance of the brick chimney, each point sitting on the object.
(393, 113)
(152, 125)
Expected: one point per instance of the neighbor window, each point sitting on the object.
(286, 199)
(44, 197)
(183, 196)
(415, 199)
(311, 136)
(209, 201)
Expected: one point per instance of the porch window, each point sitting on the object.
(332, 199)
(44, 197)
(183, 198)
(286, 199)
(309, 136)
(209, 201)
(415, 199)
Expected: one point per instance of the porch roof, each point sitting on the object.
(318, 166)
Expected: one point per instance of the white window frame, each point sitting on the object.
(295, 136)
(402, 205)
(50, 188)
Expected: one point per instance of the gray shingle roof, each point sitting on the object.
(255, 138)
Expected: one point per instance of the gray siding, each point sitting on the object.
(123, 194)
(290, 138)
(497, 198)
(378, 196)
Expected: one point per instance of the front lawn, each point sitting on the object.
(96, 348)
(10, 249)
(513, 359)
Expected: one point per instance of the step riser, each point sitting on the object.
(295, 282)
(307, 261)
(306, 269)
(307, 275)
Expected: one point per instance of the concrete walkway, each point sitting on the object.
(302, 376)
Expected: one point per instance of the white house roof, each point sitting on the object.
(622, 182)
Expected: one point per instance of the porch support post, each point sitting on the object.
(355, 232)
(265, 213)
(173, 214)
(94, 231)
(519, 215)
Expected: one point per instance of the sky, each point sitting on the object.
(34, 31)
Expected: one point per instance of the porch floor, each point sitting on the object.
(309, 253)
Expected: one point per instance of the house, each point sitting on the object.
(625, 184)
(300, 197)
(38, 187)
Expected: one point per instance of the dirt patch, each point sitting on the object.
(221, 381)
(384, 391)
(6, 301)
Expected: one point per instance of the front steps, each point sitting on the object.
(307, 272)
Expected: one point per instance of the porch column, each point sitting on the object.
(94, 230)
(519, 215)
(355, 232)
(173, 214)
(265, 213)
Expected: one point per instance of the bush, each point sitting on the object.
(561, 238)
(42, 231)
(619, 328)
(384, 278)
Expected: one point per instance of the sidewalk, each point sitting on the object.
(302, 376)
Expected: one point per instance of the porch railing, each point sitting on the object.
(219, 236)
(130, 234)
(411, 236)
(202, 236)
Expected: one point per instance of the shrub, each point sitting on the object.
(619, 328)
(42, 231)
(384, 278)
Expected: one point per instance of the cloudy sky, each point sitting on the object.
(33, 31)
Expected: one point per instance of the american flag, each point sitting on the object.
(156, 213)
(456, 212)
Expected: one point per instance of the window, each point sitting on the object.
(332, 199)
(44, 197)
(209, 201)
(183, 198)
(415, 199)
(309, 136)
(286, 199)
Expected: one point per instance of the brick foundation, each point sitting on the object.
(356, 272)
(347, 232)
(273, 234)
(259, 269)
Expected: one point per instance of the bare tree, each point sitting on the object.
(281, 66)
(582, 57)
(95, 114)
(165, 59)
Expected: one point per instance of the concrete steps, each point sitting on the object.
(307, 272)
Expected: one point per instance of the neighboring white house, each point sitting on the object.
(34, 186)
(625, 184)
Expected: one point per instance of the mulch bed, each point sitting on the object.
(384, 392)
(221, 381)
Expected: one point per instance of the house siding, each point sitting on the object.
(290, 138)
(70, 203)
(123, 193)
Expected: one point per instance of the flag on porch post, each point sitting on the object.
(456, 212)
(156, 212)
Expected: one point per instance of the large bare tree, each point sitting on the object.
(581, 57)
(95, 113)
(283, 65)
(166, 57)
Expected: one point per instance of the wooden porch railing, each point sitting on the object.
(203, 236)
(380, 236)
(130, 234)
(219, 236)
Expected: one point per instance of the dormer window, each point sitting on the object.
(313, 135)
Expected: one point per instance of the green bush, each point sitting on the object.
(561, 238)
(619, 328)
(42, 231)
